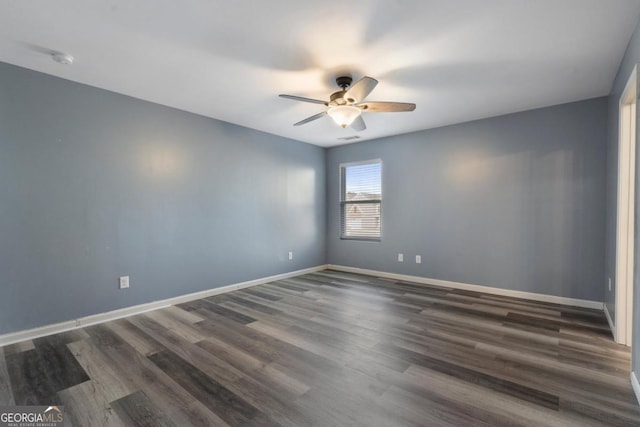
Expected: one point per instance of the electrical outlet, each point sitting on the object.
(400, 258)
(418, 259)
(290, 256)
(124, 282)
(609, 284)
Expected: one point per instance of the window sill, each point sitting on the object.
(362, 239)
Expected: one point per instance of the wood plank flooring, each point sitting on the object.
(333, 349)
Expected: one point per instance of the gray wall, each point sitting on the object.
(95, 185)
(630, 59)
(514, 202)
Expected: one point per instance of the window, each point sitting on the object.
(360, 200)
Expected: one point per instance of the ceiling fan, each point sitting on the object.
(346, 105)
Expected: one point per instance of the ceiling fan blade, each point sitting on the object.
(386, 107)
(360, 89)
(310, 119)
(300, 98)
(358, 124)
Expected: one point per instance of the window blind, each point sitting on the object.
(361, 200)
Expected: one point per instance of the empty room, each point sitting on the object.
(281, 213)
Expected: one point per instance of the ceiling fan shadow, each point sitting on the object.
(420, 20)
(263, 54)
(436, 77)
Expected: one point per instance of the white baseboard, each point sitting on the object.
(636, 385)
(476, 288)
(93, 319)
(14, 337)
(611, 325)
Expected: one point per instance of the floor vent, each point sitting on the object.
(349, 138)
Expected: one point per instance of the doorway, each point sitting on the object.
(625, 228)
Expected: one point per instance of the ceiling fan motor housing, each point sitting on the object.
(337, 98)
(344, 82)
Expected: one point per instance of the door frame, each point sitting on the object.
(626, 203)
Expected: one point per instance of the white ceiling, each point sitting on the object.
(458, 60)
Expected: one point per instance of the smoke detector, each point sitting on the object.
(62, 58)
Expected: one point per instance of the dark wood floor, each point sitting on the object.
(333, 348)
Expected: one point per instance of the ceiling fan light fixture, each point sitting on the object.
(344, 115)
